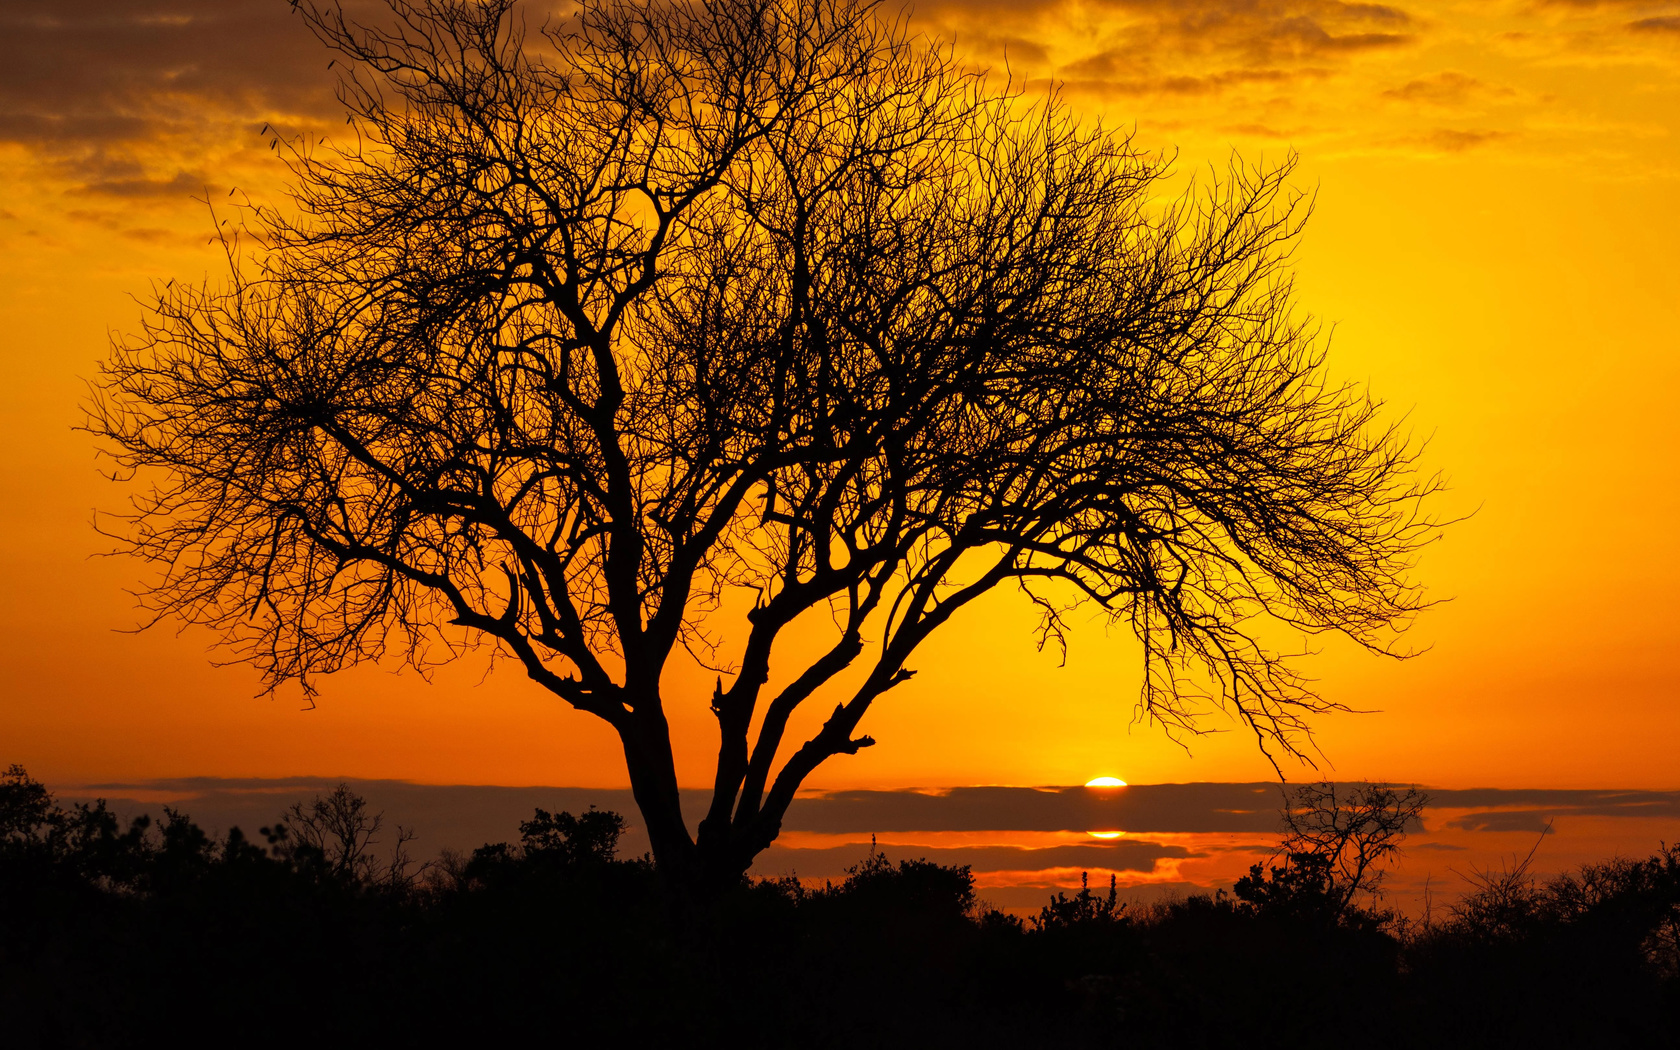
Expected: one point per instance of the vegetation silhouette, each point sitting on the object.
(585, 329)
(1338, 839)
(335, 834)
(114, 937)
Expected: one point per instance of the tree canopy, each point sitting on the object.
(587, 324)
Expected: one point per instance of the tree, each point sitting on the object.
(586, 327)
(1338, 843)
(26, 806)
(334, 834)
(551, 844)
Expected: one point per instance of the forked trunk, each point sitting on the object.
(694, 870)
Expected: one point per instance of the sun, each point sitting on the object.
(1105, 782)
(1105, 834)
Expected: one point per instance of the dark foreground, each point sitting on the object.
(155, 934)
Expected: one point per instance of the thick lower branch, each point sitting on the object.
(781, 709)
(835, 738)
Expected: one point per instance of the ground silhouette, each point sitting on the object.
(153, 933)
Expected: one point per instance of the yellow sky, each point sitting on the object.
(1496, 242)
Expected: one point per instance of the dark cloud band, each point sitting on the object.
(464, 816)
(123, 70)
(1120, 855)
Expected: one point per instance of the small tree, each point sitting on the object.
(335, 833)
(590, 838)
(26, 807)
(1339, 841)
(551, 846)
(584, 327)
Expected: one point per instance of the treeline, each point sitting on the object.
(322, 930)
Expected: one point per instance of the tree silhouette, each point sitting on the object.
(1339, 842)
(584, 328)
(334, 834)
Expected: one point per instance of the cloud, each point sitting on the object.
(167, 86)
(1662, 804)
(180, 185)
(153, 235)
(1591, 5)
(1455, 140)
(1596, 31)
(1269, 30)
(1262, 60)
(1141, 808)
(1097, 74)
(464, 816)
(120, 70)
(1305, 36)
(1448, 88)
(1519, 820)
(832, 861)
(1013, 49)
(488, 813)
(1264, 25)
(129, 99)
(1264, 131)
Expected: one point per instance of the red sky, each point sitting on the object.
(1494, 244)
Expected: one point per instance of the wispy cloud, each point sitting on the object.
(1519, 820)
(1454, 140)
(1105, 74)
(127, 98)
(177, 185)
(1448, 88)
(1250, 32)
(118, 70)
(1656, 24)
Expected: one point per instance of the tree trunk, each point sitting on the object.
(653, 781)
(695, 870)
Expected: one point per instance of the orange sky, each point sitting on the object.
(1495, 242)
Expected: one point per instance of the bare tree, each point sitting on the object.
(1339, 842)
(1502, 903)
(338, 832)
(586, 326)
(1355, 829)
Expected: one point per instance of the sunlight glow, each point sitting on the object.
(1105, 834)
(1105, 782)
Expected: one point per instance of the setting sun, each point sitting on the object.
(1105, 782)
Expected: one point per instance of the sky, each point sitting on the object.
(1493, 247)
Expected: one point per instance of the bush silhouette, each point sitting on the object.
(555, 939)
